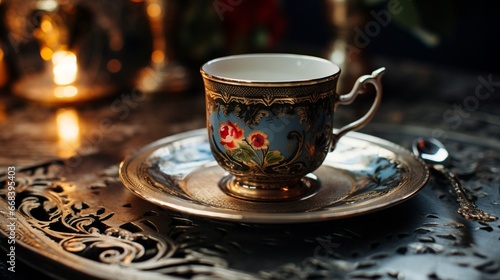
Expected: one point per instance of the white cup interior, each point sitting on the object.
(270, 68)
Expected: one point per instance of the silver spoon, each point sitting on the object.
(433, 152)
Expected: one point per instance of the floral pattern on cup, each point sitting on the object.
(230, 135)
(240, 141)
(252, 150)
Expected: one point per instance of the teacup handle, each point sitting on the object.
(375, 80)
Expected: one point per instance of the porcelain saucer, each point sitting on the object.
(363, 174)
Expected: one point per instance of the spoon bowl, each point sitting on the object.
(431, 151)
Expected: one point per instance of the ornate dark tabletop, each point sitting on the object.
(74, 219)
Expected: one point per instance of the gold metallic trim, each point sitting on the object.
(266, 99)
(235, 82)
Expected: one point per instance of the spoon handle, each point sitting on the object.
(468, 208)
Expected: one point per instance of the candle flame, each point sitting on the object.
(65, 67)
(65, 71)
(68, 130)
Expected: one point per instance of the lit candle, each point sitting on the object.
(61, 82)
(65, 67)
(68, 131)
(65, 70)
(58, 78)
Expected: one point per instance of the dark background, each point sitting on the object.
(470, 32)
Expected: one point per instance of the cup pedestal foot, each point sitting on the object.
(275, 191)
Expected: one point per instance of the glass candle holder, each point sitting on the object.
(75, 51)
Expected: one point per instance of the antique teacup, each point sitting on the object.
(270, 121)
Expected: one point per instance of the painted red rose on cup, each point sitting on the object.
(230, 134)
(258, 140)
